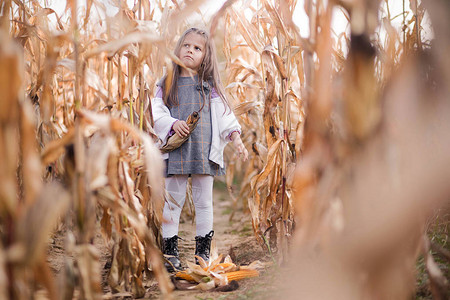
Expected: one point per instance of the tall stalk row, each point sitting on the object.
(90, 169)
(263, 80)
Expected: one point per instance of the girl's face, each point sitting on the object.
(192, 52)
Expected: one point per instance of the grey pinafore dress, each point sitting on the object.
(193, 155)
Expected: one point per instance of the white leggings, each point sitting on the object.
(202, 187)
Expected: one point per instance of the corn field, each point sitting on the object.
(348, 134)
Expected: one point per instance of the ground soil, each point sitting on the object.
(234, 237)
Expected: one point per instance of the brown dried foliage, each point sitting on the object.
(374, 154)
(344, 140)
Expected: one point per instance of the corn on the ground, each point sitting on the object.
(184, 275)
(236, 275)
(241, 274)
(223, 267)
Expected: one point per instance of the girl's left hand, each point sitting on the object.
(239, 145)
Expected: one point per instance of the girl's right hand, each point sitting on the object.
(239, 145)
(181, 128)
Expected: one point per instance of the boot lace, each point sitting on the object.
(204, 243)
(171, 245)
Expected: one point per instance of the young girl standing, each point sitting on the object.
(201, 156)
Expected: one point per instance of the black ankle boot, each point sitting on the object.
(203, 246)
(170, 250)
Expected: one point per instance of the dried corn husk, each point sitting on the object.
(213, 274)
(175, 140)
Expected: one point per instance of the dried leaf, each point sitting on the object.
(87, 257)
(219, 279)
(245, 107)
(204, 286)
(185, 11)
(33, 229)
(119, 45)
(201, 262)
(438, 283)
(196, 269)
(276, 19)
(248, 31)
(54, 149)
(218, 15)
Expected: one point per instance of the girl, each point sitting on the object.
(201, 156)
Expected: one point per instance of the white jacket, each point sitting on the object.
(223, 123)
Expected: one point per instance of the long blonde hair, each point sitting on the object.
(208, 71)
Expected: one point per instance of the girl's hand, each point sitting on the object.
(181, 128)
(239, 146)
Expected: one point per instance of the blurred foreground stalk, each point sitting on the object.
(369, 183)
(99, 180)
(27, 210)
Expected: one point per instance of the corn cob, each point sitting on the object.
(184, 275)
(175, 141)
(241, 274)
(236, 275)
(224, 267)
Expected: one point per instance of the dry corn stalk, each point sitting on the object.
(175, 141)
(357, 212)
(28, 212)
(261, 80)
